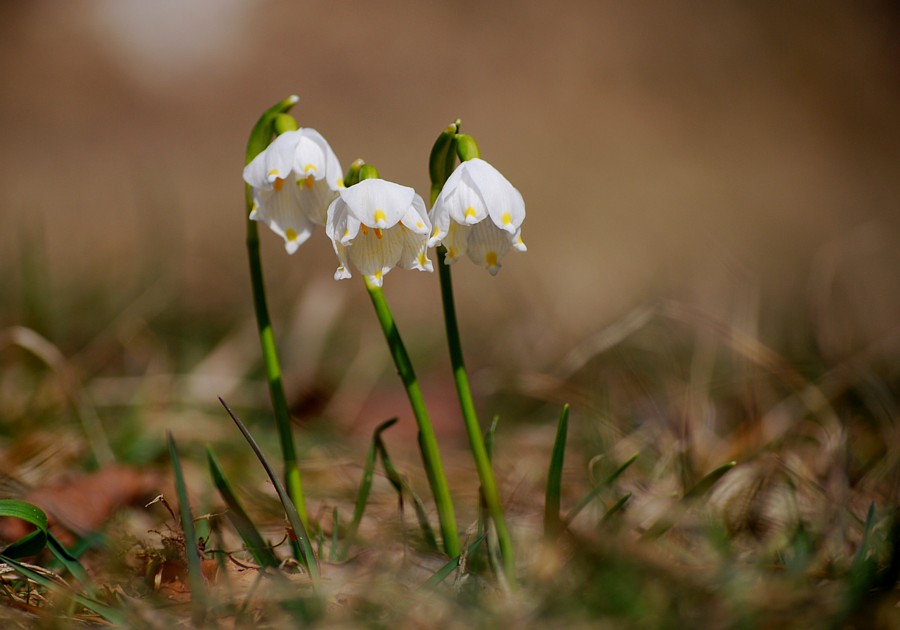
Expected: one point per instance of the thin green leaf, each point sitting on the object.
(704, 485)
(596, 490)
(365, 487)
(110, 614)
(617, 507)
(335, 534)
(402, 486)
(192, 553)
(552, 522)
(290, 509)
(32, 543)
(262, 553)
(71, 564)
(490, 436)
(441, 574)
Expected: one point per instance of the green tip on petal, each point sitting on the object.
(367, 171)
(466, 147)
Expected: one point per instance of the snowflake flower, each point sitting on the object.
(294, 180)
(478, 213)
(378, 225)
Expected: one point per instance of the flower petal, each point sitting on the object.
(378, 203)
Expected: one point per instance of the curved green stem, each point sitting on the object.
(431, 457)
(473, 428)
(259, 139)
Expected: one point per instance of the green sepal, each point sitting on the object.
(283, 123)
(262, 130)
(367, 171)
(352, 176)
(466, 147)
(442, 161)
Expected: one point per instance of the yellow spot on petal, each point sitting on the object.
(380, 216)
(339, 183)
(437, 231)
(274, 171)
(310, 167)
(507, 220)
(377, 275)
(255, 207)
(451, 252)
(290, 234)
(378, 232)
(422, 258)
(491, 259)
(346, 232)
(309, 181)
(420, 225)
(470, 212)
(278, 183)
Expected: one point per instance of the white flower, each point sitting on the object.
(294, 180)
(478, 213)
(378, 225)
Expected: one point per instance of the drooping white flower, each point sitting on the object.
(293, 181)
(478, 213)
(378, 225)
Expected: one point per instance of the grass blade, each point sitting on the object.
(704, 485)
(309, 558)
(191, 552)
(596, 490)
(402, 486)
(441, 574)
(253, 541)
(552, 522)
(110, 614)
(365, 487)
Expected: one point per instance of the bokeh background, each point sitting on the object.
(736, 156)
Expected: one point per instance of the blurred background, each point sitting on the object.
(742, 158)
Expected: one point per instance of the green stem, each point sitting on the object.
(470, 418)
(273, 375)
(427, 441)
(259, 139)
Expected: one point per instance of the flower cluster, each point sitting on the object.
(376, 224)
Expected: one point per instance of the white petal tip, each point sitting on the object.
(341, 273)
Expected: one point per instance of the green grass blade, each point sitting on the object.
(71, 563)
(110, 614)
(32, 543)
(192, 553)
(262, 553)
(616, 507)
(441, 574)
(402, 486)
(704, 485)
(309, 558)
(365, 487)
(552, 522)
(594, 492)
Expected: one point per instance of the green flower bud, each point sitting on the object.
(352, 176)
(367, 171)
(283, 123)
(442, 161)
(466, 147)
